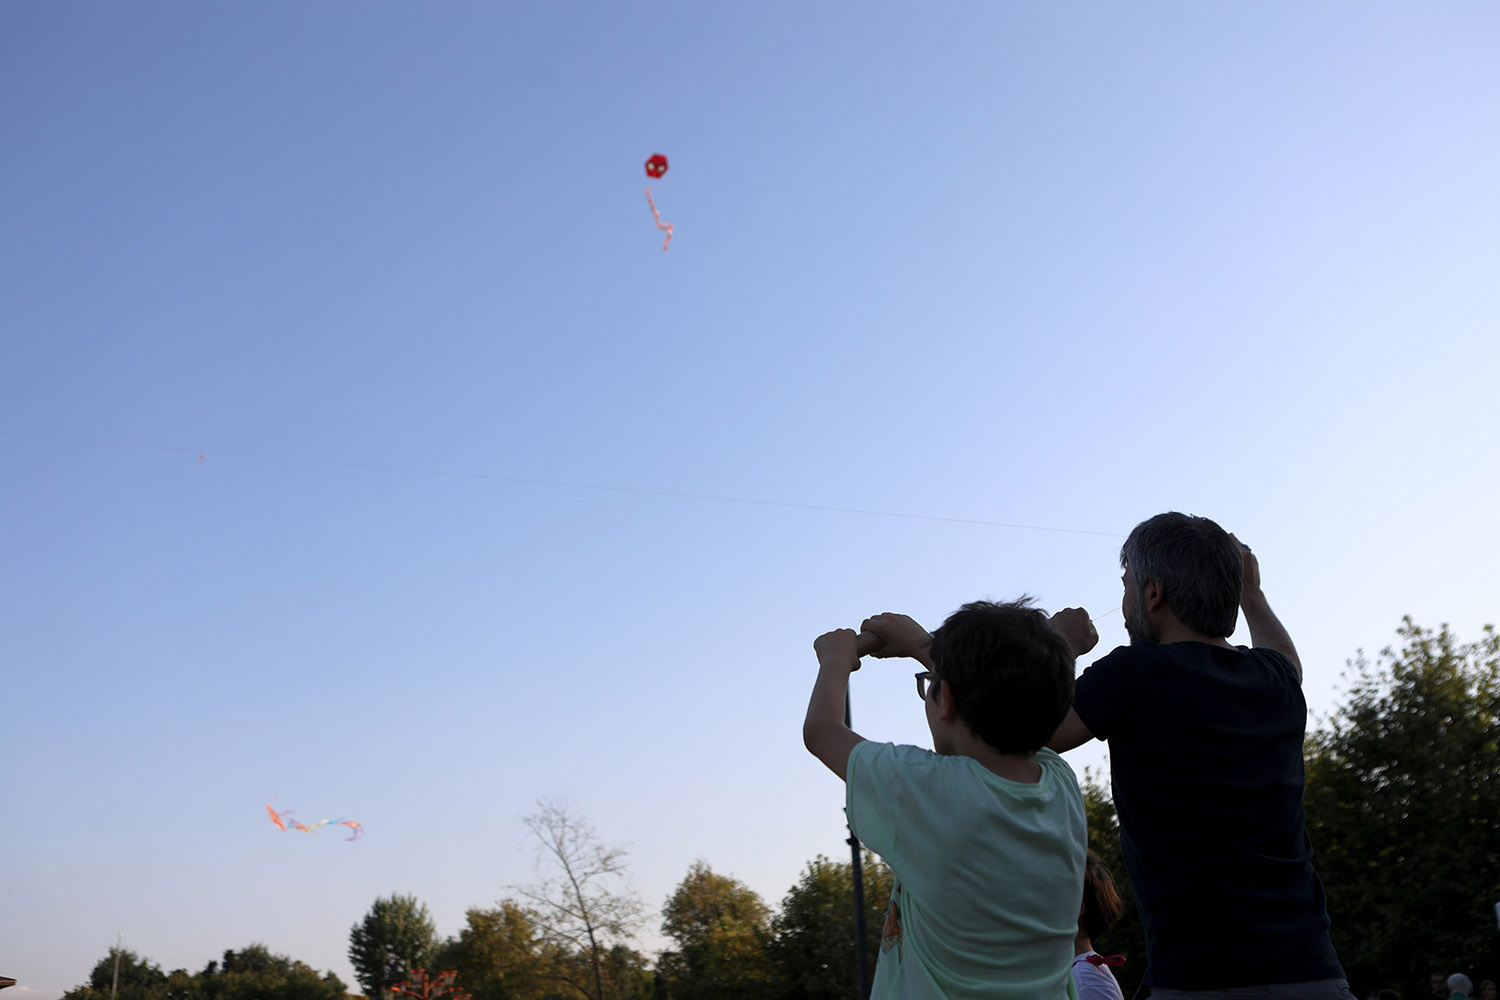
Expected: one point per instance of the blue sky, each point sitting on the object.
(389, 269)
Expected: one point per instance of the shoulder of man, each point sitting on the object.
(1276, 660)
(1112, 687)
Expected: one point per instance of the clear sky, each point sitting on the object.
(389, 269)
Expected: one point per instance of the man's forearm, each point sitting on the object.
(1266, 629)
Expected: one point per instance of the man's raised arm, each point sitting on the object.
(1266, 630)
(1078, 631)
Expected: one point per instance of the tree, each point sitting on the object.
(499, 955)
(812, 937)
(139, 979)
(251, 974)
(722, 929)
(584, 903)
(396, 936)
(1128, 936)
(624, 971)
(255, 973)
(1403, 805)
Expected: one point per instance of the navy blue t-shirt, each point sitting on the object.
(1206, 766)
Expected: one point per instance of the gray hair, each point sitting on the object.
(1197, 565)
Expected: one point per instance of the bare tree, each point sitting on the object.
(584, 902)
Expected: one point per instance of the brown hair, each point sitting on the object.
(1101, 903)
(1010, 674)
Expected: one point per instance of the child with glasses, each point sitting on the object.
(986, 832)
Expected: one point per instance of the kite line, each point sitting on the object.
(555, 483)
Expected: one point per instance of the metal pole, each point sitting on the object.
(857, 870)
(114, 987)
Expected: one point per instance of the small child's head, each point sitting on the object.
(1101, 902)
(1010, 675)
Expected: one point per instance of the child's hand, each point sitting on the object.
(838, 648)
(900, 635)
(1077, 631)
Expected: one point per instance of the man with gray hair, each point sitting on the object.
(1206, 768)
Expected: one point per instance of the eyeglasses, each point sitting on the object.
(926, 679)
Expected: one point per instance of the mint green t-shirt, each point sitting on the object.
(989, 873)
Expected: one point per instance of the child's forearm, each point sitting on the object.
(825, 709)
(823, 730)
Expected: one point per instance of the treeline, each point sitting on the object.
(251, 974)
(728, 944)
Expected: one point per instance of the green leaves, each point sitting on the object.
(1403, 806)
(396, 936)
(722, 928)
(254, 973)
(1128, 936)
(813, 939)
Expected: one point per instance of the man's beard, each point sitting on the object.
(1136, 625)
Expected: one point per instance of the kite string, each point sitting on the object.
(554, 483)
(664, 227)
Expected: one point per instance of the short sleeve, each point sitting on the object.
(1283, 667)
(875, 784)
(1105, 695)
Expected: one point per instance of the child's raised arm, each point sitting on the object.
(823, 731)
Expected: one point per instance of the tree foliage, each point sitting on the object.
(140, 979)
(624, 973)
(396, 936)
(1403, 804)
(583, 904)
(499, 955)
(254, 973)
(812, 937)
(1128, 936)
(722, 929)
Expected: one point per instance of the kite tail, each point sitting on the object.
(665, 227)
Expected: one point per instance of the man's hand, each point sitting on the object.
(838, 648)
(900, 635)
(1252, 567)
(1074, 626)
